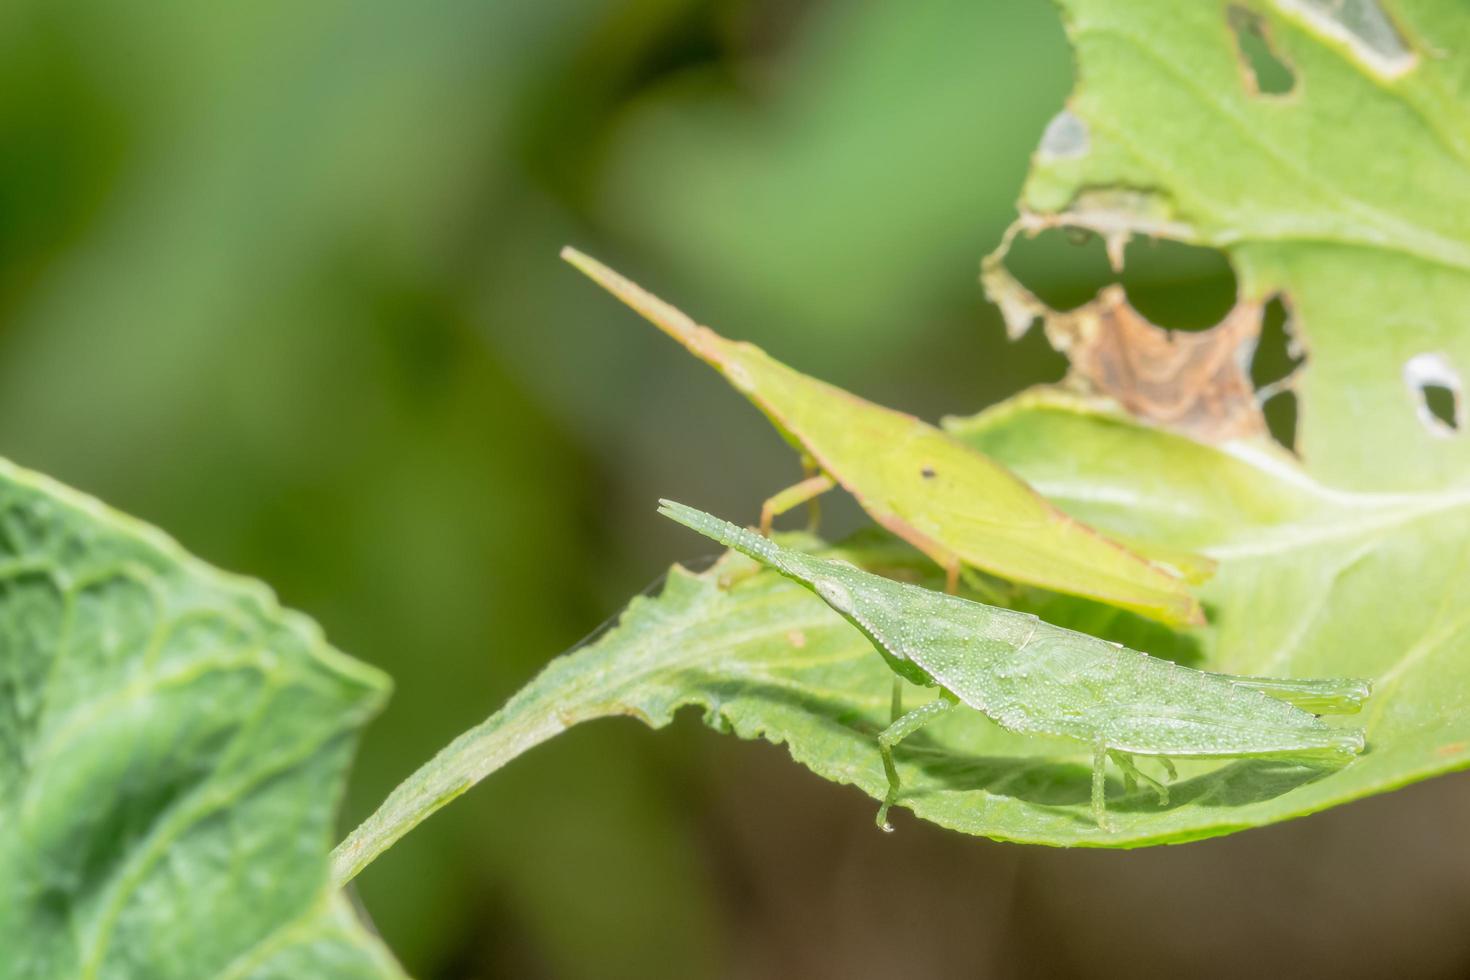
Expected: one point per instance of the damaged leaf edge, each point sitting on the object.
(1232, 406)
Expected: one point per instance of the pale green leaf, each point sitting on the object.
(172, 748)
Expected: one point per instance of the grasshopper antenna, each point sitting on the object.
(696, 565)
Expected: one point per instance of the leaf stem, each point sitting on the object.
(592, 680)
(529, 718)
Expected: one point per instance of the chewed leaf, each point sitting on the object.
(1346, 196)
(948, 500)
(1350, 559)
(172, 748)
(1196, 383)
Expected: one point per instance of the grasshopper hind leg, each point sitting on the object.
(1131, 772)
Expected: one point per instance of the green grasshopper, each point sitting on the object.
(954, 504)
(1031, 677)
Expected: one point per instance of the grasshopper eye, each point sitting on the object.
(835, 594)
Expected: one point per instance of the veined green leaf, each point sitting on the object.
(172, 748)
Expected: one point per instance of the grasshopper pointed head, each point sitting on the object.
(745, 541)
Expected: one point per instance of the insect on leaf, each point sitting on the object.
(1034, 678)
(762, 657)
(1349, 561)
(954, 504)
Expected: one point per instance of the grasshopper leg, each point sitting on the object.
(897, 732)
(1099, 784)
(1131, 772)
(988, 592)
(810, 469)
(793, 496)
(896, 702)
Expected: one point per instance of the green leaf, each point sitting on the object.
(172, 748)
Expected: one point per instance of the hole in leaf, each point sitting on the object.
(1277, 352)
(1440, 401)
(1437, 389)
(1276, 360)
(1268, 73)
(1280, 410)
(1363, 26)
(1065, 137)
(1064, 267)
(1182, 287)
(1173, 285)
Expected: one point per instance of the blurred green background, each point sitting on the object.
(282, 279)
